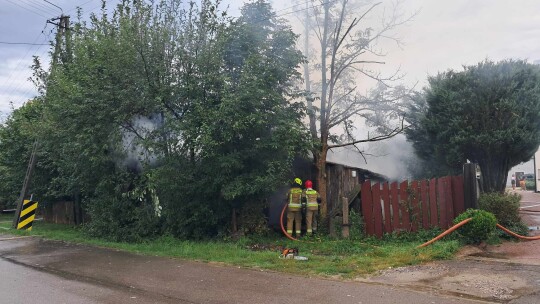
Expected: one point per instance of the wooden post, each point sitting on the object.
(470, 186)
(345, 226)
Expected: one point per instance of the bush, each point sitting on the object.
(123, 210)
(505, 207)
(530, 185)
(483, 224)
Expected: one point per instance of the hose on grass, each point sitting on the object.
(445, 233)
(456, 226)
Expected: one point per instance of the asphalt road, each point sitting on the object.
(22, 284)
(33, 270)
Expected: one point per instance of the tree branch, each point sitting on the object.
(391, 134)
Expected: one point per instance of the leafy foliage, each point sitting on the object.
(505, 207)
(427, 165)
(479, 229)
(488, 113)
(17, 137)
(170, 107)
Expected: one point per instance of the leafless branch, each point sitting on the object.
(391, 134)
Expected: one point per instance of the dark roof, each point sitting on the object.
(367, 173)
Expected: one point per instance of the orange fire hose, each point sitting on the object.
(445, 233)
(528, 238)
(456, 226)
(290, 237)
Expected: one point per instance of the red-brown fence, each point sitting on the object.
(411, 206)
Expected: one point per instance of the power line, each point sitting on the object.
(80, 5)
(21, 43)
(36, 7)
(43, 6)
(18, 69)
(26, 8)
(61, 10)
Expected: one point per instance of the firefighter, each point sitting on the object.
(294, 212)
(312, 199)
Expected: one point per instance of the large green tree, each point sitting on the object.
(425, 165)
(488, 113)
(171, 100)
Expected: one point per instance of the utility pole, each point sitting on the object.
(61, 36)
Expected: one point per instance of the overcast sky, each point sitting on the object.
(444, 34)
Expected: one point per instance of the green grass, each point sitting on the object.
(344, 259)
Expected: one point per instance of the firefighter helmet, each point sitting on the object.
(297, 181)
(309, 184)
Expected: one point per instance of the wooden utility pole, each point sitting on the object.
(61, 36)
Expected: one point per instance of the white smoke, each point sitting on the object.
(135, 137)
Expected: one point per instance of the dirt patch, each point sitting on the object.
(412, 274)
(469, 277)
(487, 286)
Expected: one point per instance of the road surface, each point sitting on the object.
(38, 271)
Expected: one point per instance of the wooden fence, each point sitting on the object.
(410, 206)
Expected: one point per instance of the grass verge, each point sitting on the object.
(345, 259)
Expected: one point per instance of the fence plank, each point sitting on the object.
(367, 207)
(441, 194)
(457, 191)
(386, 208)
(377, 209)
(415, 210)
(433, 217)
(395, 205)
(424, 197)
(449, 201)
(404, 205)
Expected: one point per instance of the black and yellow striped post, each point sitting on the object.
(28, 213)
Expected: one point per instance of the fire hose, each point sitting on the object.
(440, 236)
(456, 226)
(290, 237)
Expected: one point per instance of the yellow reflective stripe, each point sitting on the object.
(312, 204)
(23, 223)
(28, 210)
(295, 205)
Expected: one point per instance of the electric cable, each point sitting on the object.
(26, 8)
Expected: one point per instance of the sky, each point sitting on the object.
(442, 35)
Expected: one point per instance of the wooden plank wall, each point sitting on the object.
(340, 182)
(411, 206)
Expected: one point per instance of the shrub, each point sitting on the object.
(530, 185)
(483, 224)
(123, 210)
(505, 207)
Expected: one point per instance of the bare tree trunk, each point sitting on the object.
(321, 180)
(309, 98)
